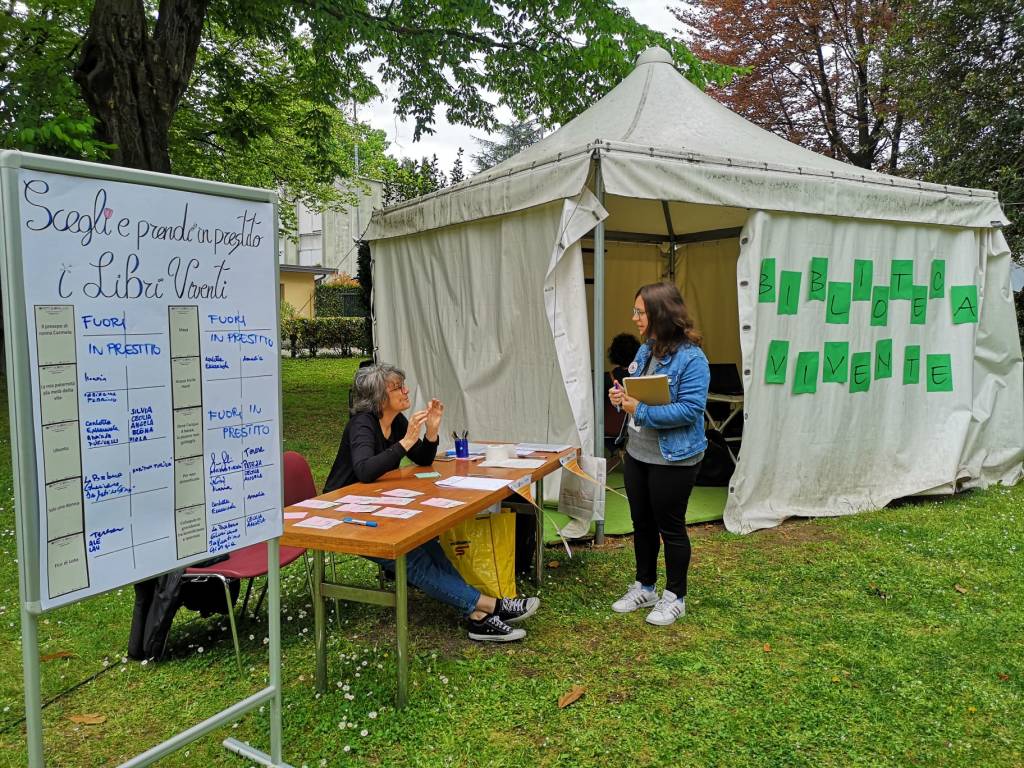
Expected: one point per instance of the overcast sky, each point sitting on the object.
(447, 138)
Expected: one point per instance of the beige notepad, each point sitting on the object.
(652, 390)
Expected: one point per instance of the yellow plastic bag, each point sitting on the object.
(483, 550)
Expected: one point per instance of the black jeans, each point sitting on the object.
(657, 503)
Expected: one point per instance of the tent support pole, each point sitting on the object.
(671, 242)
(598, 358)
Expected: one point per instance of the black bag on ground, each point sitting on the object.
(526, 542)
(717, 466)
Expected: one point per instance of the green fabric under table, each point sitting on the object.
(705, 504)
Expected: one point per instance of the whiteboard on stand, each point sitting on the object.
(152, 324)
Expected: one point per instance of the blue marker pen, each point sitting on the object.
(617, 408)
(353, 521)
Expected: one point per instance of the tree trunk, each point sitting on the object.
(132, 80)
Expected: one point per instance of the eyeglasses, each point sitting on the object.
(403, 387)
(638, 312)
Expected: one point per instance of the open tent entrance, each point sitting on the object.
(696, 247)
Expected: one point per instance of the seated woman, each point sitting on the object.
(375, 440)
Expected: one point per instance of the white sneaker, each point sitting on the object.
(636, 597)
(667, 610)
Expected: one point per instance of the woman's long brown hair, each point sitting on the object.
(668, 322)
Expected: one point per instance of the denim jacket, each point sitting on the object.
(680, 423)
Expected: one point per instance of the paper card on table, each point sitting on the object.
(514, 463)
(363, 509)
(295, 515)
(396, 512)
(427, 475)
(315, 504)
(540, 448)
(473, 483)
(441, 503)
(358, 500)
(398, 501)
(402, 493)
(320, 523)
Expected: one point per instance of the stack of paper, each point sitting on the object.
(540, 448)
(473, 483)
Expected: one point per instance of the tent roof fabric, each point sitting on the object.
(656, 118)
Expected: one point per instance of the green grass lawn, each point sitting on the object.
(889, 638)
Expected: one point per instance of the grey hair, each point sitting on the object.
(370, 388)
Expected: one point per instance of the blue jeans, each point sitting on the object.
(430, 570)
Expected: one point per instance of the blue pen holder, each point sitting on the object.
(462, 448)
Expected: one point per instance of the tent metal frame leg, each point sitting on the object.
(598, 358)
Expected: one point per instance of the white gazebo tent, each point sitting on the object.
(493, 292)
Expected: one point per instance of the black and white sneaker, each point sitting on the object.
(491, 629)
(513, 609)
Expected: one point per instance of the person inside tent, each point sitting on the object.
(621, 352)
(664, 448)
(375, 440)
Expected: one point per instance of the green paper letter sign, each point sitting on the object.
(964, 301)
(902, 281)
(778, 359)
(805, 378)
(940, 373)
(816, 278)
(789, 292)
(880, 305)
(912, 364)
(837, 307)
(837, 361)
(860, 371)
(766, 286)
(883, 359)
(863, 272)
(937, 284)
(919, 305)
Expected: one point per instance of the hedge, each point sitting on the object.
(319, 333)
(332, 300)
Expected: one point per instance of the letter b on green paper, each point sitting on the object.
(766, 284)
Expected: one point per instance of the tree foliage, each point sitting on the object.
(959, 69)
(512, 139)
(408, 178)
(816, 72)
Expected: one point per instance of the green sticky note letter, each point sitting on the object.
(805, 377)
(789, 292)
(836, 362)
(919, 305)
(883, 359)
(964, 301)
(837, 306)
(880, 305)
(778, 359)
(817, 275)
(912, 364)
(863, 274)
(937, 282)
(939, 373)
(766, 286)
(901, 282)
(860, 371)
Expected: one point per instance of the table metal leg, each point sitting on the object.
(402, 621)
(319, 622)
(538, 561)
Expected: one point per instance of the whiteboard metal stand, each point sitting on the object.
(23, 461)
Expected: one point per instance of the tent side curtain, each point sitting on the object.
(652, 174)
(879, 361)
(467, 312)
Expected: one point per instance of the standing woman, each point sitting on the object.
(664, 448)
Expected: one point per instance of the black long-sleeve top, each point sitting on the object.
(365, 454)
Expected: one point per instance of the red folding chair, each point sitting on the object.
(251, 562)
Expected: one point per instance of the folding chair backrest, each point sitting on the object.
(298, 479)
